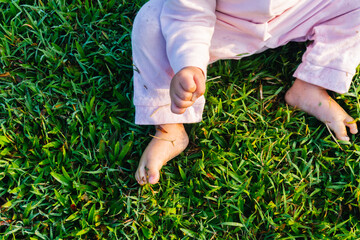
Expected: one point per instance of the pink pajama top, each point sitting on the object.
(193, 23)
(188, 27)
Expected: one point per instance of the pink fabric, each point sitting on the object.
(172, 34)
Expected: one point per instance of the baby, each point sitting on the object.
(174, 41)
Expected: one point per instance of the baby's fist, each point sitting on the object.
(186, 86)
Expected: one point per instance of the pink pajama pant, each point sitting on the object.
(330, 60)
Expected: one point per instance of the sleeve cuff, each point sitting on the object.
(200, 61)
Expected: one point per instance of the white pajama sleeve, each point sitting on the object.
(188, 26)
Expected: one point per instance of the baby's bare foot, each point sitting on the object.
(169, 141)
(317, 102)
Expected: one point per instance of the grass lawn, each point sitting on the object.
(255, 167)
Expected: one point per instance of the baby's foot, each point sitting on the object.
(317, 102)
(169, 141)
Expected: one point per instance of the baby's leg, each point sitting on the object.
(316, 101)
(329, 63)
(152, 79)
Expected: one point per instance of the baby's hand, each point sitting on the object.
(186, 86)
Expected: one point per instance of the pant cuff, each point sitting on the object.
(156, 115)
(328, 78)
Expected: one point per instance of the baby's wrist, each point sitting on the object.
(193, 69)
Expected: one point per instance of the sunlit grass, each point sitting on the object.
(255, 167)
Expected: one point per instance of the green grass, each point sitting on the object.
(255, 168)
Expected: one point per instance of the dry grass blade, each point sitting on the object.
(333, 137)
(163, 139)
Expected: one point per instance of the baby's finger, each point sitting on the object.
(188, 85)
(176, 109)
(186, 96)
(181, 103)
(200, 86)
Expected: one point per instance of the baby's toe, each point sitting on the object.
(140, 175)
(343, 138)
(154, 176)
(351, 124)
(340, 131)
